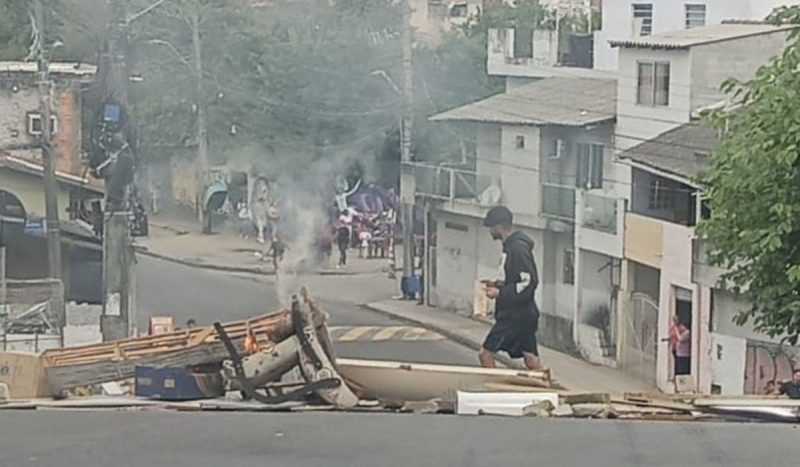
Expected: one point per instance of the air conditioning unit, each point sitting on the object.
(559, 149)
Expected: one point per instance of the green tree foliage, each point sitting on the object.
(754, 193)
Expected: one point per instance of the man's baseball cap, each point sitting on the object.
(498, 215)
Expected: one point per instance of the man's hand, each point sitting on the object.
(492, 292)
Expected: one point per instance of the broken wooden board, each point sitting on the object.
(112, 361)
(735, 401)
(663, 404)
(385, 380)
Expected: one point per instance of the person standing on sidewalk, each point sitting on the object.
(516, 313)
(343, 236)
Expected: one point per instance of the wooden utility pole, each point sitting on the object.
(202, 123)
(48, 162)
(407, 181)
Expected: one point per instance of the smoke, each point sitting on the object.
(305, 201)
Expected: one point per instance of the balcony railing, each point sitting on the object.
(558, 201)
(600, 213)
(446, 183)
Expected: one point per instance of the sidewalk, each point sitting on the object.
(182, 242)
(569, 372)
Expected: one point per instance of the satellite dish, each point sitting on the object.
(491, 196)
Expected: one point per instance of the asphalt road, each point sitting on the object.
(164, 439)
(166, 288)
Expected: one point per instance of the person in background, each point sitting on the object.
(516, 313)
(191, 323)
(245, 220)
(791, 388)
(683, 348)
(277, 249)
(343, 233)
(770, 389)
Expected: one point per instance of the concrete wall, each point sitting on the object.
(488, 150)
(30, 191)
(637, 123)
(456, 261)
(668, 15)
(714, 63)
(14, 110)
(520, 171)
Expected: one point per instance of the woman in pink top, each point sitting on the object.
(683, 349)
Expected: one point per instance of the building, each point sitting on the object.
(626, 20)
(665, 80)
(79, 197)
(538, 147)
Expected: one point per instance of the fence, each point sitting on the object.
(447, 183)
(32, 313)
(600, 213)
(640, 344)
(558, 201)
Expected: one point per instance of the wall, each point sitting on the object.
(30, 191)
(637, 123)
(488, 150)
(668, 15)
(14, 109)
(520, 170)
(714, 63)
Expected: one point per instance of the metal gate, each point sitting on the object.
(640, 345)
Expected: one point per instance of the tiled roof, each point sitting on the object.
(550, 101)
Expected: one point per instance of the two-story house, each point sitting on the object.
(629, 19)
(538, 146)
(665, 80)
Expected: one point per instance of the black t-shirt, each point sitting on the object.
(791, 389)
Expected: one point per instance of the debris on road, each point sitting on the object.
(285, 361)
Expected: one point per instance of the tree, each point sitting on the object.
(754, 192)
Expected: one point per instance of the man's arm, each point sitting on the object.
(523, 278)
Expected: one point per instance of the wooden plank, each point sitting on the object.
(677, 406)
(585, 397)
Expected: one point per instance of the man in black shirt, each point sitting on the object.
(516, 314)
(792, 388)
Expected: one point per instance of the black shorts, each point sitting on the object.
(512, 338)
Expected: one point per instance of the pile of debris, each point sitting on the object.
(285, 361)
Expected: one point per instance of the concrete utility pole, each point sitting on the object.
(117, 248)
(48, 162)
(407, 181)
(202, 123)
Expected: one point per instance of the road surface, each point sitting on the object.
(166, 288)
(164, 439)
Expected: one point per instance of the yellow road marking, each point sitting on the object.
(355, 333)
(387, 333)
(382, 334)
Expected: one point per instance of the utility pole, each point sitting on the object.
(407, 180)
(202, 123)
(118, 261)
(50, 189)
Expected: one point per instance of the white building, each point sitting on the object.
(625, 20)
(539, 148)
(664, 80)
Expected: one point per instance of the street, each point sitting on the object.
(166, 288)
(159, 439)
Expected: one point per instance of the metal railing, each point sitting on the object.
(600, 213)
(446, 183)
(558, 201)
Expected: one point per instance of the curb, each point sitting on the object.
(455, 337)
(235, 269)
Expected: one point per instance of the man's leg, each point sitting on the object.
(486, 358)
(532, 362)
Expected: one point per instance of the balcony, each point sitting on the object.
(452, 184)
(600, 213)
(529, 53)
(558, 202)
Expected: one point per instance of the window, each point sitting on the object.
(590, 166)
(523, 42)
(569, 267)
(643, 19)
(454, 226)
(35, 124)
(459, 11)
(695, 15)
(662, 195)
(520, 142)
(652, 83)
